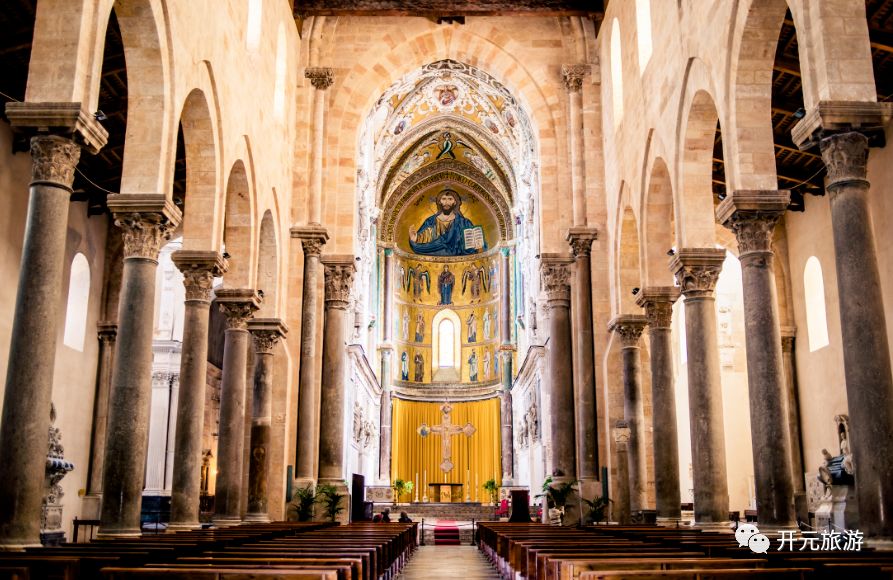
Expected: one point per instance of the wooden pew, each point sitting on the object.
(715, 574)
(216, 574)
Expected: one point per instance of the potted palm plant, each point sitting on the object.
(330, 499)
(491, 488)
(598, 509)
(401, 487)
(556, 495)
(301, 506)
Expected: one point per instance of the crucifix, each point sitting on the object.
(446, 430)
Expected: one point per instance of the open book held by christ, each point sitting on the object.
(474, 237)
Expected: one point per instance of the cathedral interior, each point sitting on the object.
(257, 247)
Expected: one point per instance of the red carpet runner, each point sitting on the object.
(446, 533)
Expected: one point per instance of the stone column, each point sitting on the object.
(238, 305)
(29, 378)
(658, 304)
(622, 509)
(321, 79)
(147, 221)
(312, 240)
(107, 333)
(580, 240)
(199, 270)
(560, 364)
(697, 270)
(387, 353)
(573, 82)
(339, 272)
(752, 216)
(788, 335)
(506, 350)
(266, 333)
(866, 351)
(629, 328)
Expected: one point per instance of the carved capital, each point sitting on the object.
(752, 215)
(238, 305)
(320, 77)
(556, 280)
(629, 327)
(199, 270)
(788, 338)
(580, 240)
(339, 272)
(658, 304)
(65, 119)
(313, 238)
(697, 270)
(621, 432)
(107, 332)
(144, 234)
(53, 160)
(573, 74)
(846, 158)
(266, 333)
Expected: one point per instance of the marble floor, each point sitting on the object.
(436, 562)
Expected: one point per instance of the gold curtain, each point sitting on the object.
(475, 459)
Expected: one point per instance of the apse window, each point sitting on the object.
(445, 343)
(814, 295)
(447, 330)
(643, 32)
(78, 298)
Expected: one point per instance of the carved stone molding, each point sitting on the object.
(266, 333)
(829, 117)
(146, 220)
(556, 281)
(65, 119)
(697, 270)
(320, 77)
(846, 158)
(313, 238)
(53, 160)
(199, 270)
(580, 240)
(573, 74)
(621, 432)
(658, 304)
(238, 305)
(107, 332)
(752, 216)
(629, 327)
(339, 273)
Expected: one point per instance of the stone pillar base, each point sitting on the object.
(109, 535)
(18, 547)
(257, 518)
(884, 544)
(724, 527)
(224, 522)
(183, 527)
(774, 532)
(671, 522)
(91, 506)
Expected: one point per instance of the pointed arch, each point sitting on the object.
(200, 141)
(658, 232)
(268, 266)
(239, 227)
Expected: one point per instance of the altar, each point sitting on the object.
(446, 492)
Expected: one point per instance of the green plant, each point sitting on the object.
(491, 488)
(557, 495)
(303, 501)
(329, 497)
(598, 509)
(400, 488)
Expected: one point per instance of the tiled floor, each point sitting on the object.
(448, 562)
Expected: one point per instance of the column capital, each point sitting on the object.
(629, 327)
(580, 240)
(556, 275)
(199, 269)
(621, 432)
(697, 270)
(752, 215)
(147, 221)
(788, 337)
(313, 238)
(53, 160)
(67, 120)
(830, 117)
(320, 77)
(658, 304)
(107, 331)
(846, 158)
(339, 272)
(238, 305)
(572, 75)
(266, 333)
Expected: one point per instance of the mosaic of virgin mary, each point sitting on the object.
(447, 232)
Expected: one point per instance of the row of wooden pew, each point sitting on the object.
(521, 551)
(281, 550)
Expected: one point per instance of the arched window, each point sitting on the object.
(255, 13)
(78, 298)
(445, 343)
(643, 32)
(616, 73)
(281, 71)
(814, 294)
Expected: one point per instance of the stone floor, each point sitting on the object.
(436, 562)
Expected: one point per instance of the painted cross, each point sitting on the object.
(446, 430)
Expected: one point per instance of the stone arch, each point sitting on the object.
(268, 266)
(411, 52)
(629, 273)
(658, 220)
(202, 183)
(239, 226)
(695, 223)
